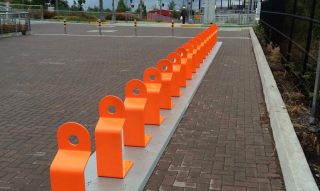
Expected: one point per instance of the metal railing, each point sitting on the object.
(296, 29)
(236, 18)
(14, 22)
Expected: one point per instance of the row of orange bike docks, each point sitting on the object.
(122, 123)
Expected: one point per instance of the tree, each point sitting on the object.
(74, 6)
(80, 3)
(172, 5)
(122, 6)
(144, 9)
(63, 5)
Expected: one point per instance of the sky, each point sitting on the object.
(150, 3)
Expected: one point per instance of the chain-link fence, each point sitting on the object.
(14, 22)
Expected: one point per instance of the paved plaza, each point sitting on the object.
(223, 142)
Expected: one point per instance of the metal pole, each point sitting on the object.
(308, 44)
(57, 6)
(101, 9)
(293, 21)
(1, 29)
(141, 7)
(161, 8)
(113, 13)
(312, 119)
(252, 5)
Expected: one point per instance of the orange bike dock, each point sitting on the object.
(146, 159)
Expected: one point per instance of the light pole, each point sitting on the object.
(113, 14)
(101, 10)
(57, 6)
(141, 11)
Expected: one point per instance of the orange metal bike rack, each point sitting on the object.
(197, 52)
(191, 56)
(178, 68)
(201, 51)
(108, 136)
(183, 53)
(152, 80)
(135, 104)
(166, 69)
(67, 167)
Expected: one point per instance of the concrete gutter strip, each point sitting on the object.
(295, 169)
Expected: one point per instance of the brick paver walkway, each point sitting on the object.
(224, 141)
(48, 80)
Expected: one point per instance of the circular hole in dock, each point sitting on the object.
(136, 91)
(73, 139)
(112, 109)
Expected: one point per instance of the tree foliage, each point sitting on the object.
(97, 9)
(144, 9)
(80, 3)
(122, 6)
(172, 5)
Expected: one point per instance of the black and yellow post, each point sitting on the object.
(99, 24)
(135, 27)
(65, 26)
(172, 28)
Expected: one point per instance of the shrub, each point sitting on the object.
(49, 15)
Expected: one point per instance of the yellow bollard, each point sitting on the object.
(99, 24)
(65, 26)
(172, 28)
(135, 27)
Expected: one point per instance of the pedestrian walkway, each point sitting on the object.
(224, 141)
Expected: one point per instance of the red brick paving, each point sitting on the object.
(224, 141)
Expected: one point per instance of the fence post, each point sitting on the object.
(312, 119)
(308, 44)
(291, 30)
(1, 28)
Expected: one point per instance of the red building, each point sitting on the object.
(166, 13)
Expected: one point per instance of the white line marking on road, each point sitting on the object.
(105, 31)
(234, 37)
(115, 36)
(132, 36)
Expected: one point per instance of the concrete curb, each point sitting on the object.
(295, 169)
(10, 35)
